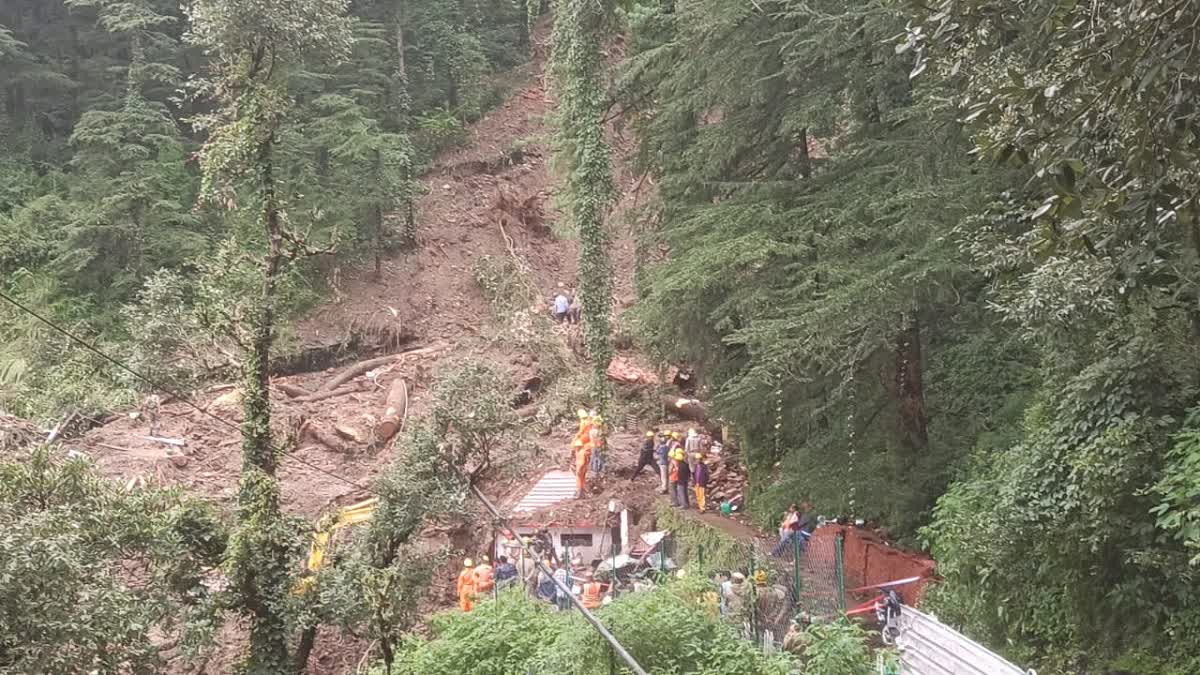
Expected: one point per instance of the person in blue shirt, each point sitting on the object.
(660, 456)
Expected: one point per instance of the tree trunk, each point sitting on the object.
(909, 390)
(261, 558)
(377, 215)
(393, 413)
(308, 639)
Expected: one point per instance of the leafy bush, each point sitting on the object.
(93, 576)
(516, 634)
(838, 648)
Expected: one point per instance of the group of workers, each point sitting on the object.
(670, 451)
(565, 309)
(763, 609)
(481, 579)
(572, 575)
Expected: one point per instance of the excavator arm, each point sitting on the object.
(323, 537)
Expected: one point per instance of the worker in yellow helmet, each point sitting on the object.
(582, 457)
(700, 478)
(585, 426)
(680, 475)
(466, 586)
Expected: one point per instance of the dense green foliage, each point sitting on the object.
(93, 577)
(101, 119)
(953, 246)
(516, 634)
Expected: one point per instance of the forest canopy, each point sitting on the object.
(937, 265)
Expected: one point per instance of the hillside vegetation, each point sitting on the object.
(937, 265)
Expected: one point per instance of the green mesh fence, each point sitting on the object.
(778, 581)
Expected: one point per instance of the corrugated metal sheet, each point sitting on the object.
(554, 487)
(929, 647)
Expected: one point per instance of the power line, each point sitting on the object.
(604, 633)
(161, 387)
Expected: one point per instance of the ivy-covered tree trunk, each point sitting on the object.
(909, 386)
(261, 562)
(408, 235)
(578, 69)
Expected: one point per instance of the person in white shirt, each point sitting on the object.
(561, 305)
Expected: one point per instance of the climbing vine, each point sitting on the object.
(252, 47)
(583, 155)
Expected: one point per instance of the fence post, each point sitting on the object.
(614, 583)
(796, 550)
(839, 572)
(662, 554)
(753, 608)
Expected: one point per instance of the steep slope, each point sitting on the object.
(491, 197)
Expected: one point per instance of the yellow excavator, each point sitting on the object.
(327, 527)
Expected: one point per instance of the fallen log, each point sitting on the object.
(687, 408)
(370, 364)
(394, 411)
(291, 390)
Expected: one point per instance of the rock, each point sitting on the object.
(177, 459)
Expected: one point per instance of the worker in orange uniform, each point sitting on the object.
(585, 424)
(485, 578)
(466, 586)
(583, 460)
(593, 594)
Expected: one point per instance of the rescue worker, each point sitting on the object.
(585, 425)
(700, 479)
(663, 459)
(596, 436)
(680, 476)
(593, 593)
(484, 576)
(583, 460)
(693, 444)
(562, 598)
(528, 567)
(506, 572)
(772, 608)
(545, 588)
(466, 586)
(645, 455)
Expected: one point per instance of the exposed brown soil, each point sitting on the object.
(490, 197)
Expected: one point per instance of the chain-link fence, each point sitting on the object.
(763, 586)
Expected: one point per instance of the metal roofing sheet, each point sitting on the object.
(554, 487)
